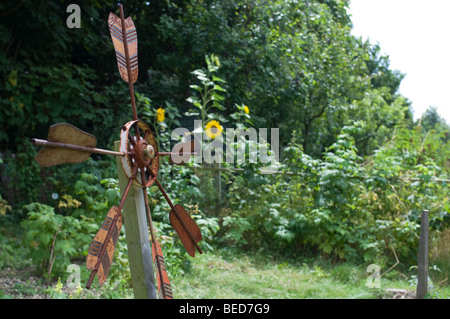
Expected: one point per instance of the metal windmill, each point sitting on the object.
(139, 156)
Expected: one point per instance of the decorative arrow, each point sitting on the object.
(67, 144)
(124, 38)
(101, 250)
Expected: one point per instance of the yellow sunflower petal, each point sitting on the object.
(213, 129)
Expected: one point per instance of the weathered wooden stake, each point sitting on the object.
(422, 267)
(137, 236)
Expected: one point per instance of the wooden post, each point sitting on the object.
(422, 267)
(138, 240)
(219, 183)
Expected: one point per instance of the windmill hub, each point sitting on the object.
(149, 152)
(144, 153)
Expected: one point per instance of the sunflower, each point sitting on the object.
(213, 129)
(160, 115)
(246, 110)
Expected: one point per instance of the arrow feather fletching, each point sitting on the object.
(100, 257)
(122, 40)
(164, 287)
(65, 133)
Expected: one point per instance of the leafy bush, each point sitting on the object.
(53, 238)
(341, 205)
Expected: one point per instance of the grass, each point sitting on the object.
(440, 256)
(221, 275)
(225, 274)
(235, 274)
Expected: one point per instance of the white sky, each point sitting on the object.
(416, 36)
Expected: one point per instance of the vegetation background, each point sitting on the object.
(364, 169)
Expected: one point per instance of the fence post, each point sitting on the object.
(422, 267)
(137, 236)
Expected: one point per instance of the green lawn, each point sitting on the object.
(235, 275)
(217, 276)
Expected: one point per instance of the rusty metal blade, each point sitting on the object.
(186, 228)
(68, 134)
(162, 278)
(101, 250)
(124, 38)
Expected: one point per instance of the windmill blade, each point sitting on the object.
(65, 134)
(186, 228)
(101, 250)
(124, 38)
(67, 144)
(162, 279)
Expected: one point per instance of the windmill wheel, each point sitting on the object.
(138, 142)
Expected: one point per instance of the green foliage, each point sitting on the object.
(53, 237)
(13, 254)
(149, 114)
(237, 226)
(209, 93)
(119, 277)
(22, 175)
(340, 205)
(356, 171)
(4, 207)
(97, 196)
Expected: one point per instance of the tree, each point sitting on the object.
(436, 137)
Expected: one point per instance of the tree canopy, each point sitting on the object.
(294, 63)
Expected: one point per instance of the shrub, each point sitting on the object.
(53, 239)
(341, 205)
